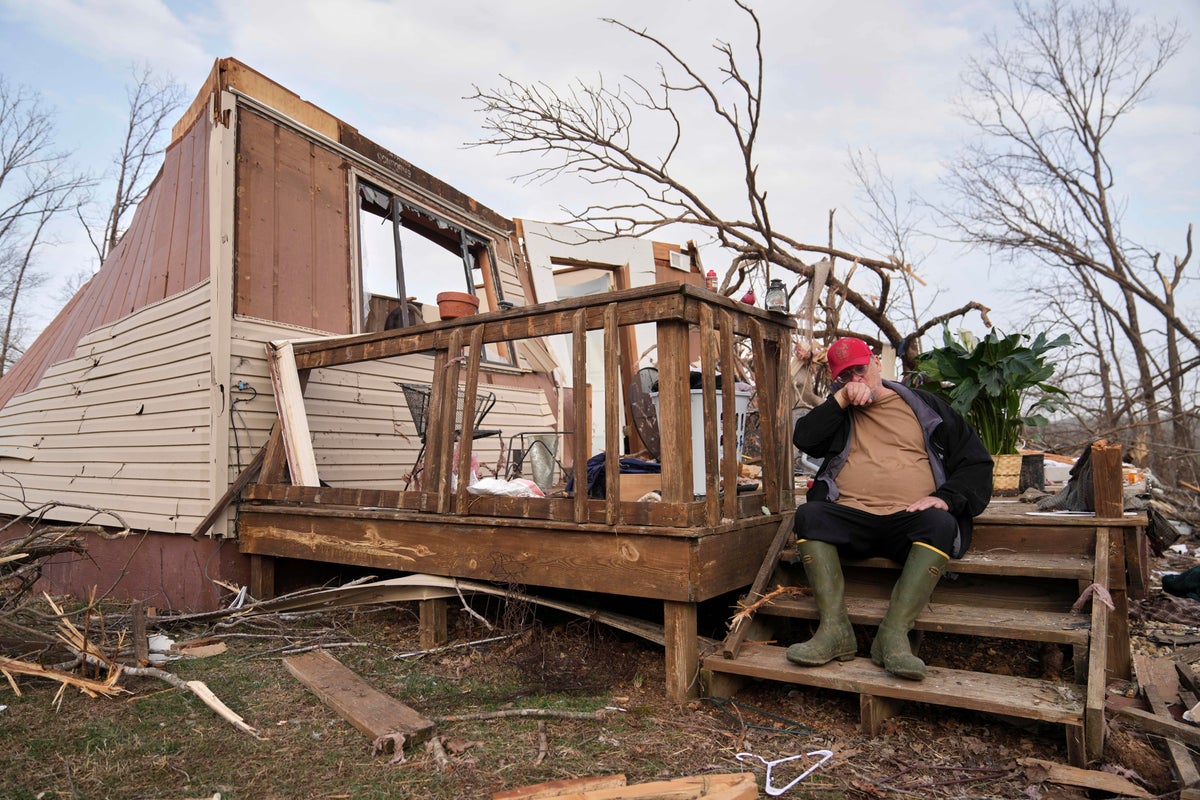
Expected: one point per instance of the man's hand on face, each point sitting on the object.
(928, 502)
(854, 394)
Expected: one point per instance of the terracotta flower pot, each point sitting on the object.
(452, 305)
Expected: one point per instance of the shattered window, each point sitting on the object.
(408, 252)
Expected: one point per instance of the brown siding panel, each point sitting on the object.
(331, 245)
(180, 207)
(294, 299)
(255, 217)
(293, 238)
(135, 273)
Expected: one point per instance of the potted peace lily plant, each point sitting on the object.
(999, 383)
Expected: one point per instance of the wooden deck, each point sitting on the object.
(699, 542)
(1019, 581)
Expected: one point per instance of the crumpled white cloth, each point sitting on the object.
(518, 487)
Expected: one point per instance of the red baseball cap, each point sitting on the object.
(847, 352)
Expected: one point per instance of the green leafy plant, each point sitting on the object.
(998, 382)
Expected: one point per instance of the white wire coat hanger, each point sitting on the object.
(776, 791)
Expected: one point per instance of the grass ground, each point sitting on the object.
(161, 743)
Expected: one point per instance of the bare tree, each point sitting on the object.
(1038, 186)
(36, 187)
(588, 131)
(152, 102)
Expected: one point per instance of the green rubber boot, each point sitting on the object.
(835, 636)
(891, 649)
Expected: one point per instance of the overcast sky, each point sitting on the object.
(841, 75)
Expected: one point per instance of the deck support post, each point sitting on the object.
(1077, 746)
(683, 652)
(873, 711)
(432, 627)
(262, 577)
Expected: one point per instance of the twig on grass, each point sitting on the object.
(439, 752)
(297, 650)
(89, 653)
(467, 607)
(543, 744)
(546, 713)
(444, 648)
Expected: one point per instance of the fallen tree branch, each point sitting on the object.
(746, 610)
(88, 652)
(92, 688)
(548, 713)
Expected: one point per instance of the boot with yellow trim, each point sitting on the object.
(891, 649)
(835, 636)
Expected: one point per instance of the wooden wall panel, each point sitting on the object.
(293, 299)
(254, 259)
(293, 253)
(331, 244)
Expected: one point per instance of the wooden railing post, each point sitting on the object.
(729, 468)
(582, 423)
(1107, 484)
(612, 415)
(674, 412)
(713, 464)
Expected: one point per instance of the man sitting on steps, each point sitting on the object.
(903, 475)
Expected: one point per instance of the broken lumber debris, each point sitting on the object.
(1160, 686)
(556, 789)
(1062, 774)
(722, 786)
(379, 716)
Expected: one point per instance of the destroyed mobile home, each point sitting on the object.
(263, 359)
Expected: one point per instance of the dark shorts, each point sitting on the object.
(861, 534)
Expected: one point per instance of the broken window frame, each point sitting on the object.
(475, 251)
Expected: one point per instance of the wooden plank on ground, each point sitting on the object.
(1162, 726)
(1160, 686)
(727, 786)
(1087, 778)
(356, 701)
(556, 789)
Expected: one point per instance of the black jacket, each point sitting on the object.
(962, 468)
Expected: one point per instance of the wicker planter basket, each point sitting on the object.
(1006, 476)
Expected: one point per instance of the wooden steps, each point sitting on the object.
(996, 694)
(1020, 582)
(994, 562)
(957, 618)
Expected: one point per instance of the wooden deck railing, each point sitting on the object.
(679, 312)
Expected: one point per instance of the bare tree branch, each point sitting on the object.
(587, 131)
(1038, 184)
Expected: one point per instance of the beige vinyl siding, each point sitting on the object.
(510, 283)
(362, 431)
(122, 425)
